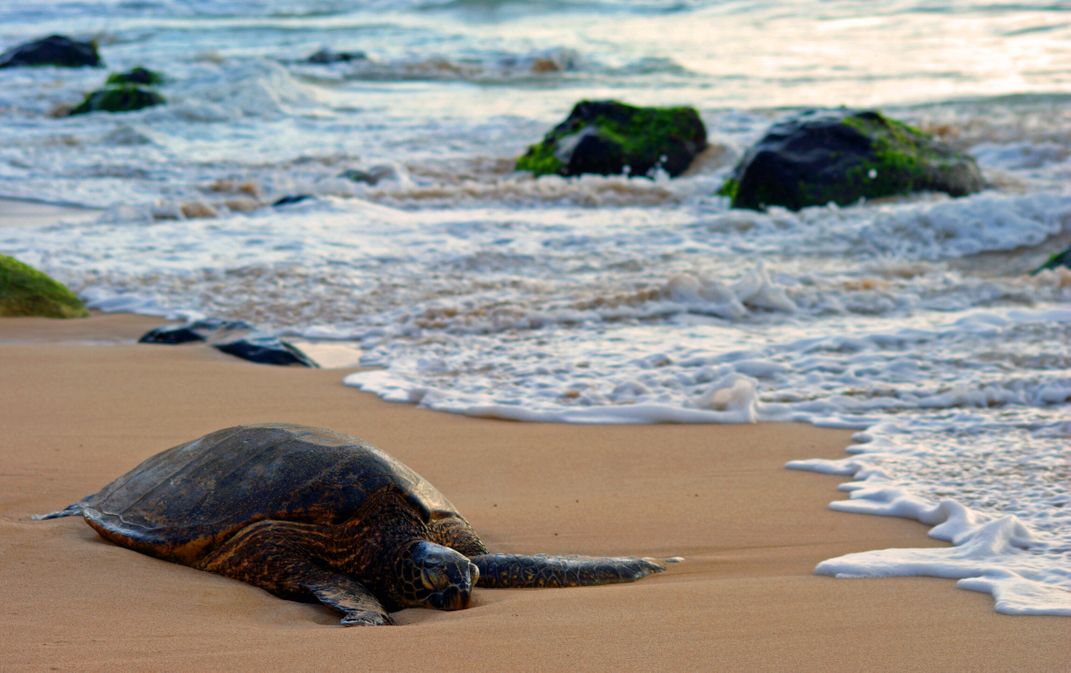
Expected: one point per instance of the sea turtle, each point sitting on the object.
(312, 514)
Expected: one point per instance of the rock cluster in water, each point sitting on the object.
(612, 138)
(25, 291)
(54, 50)
(841, 156)
(123, 92)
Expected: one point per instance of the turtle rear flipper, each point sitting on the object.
(505, 571)
(74, 509)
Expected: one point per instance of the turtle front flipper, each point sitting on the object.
(348, 596)
(505, 571)
(278, 556)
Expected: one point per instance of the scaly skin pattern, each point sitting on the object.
(272, 554)
(510, 571)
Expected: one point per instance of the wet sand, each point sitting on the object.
(82, 403)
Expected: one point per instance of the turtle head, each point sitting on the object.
(434, 576)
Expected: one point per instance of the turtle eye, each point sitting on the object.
(434, 579)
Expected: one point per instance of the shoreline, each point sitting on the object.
(84, 404)
(29, 213)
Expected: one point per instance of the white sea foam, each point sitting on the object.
(1026, 570)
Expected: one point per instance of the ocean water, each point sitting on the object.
(473, 289)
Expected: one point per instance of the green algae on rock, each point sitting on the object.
(137, 75)
(25, 291)
(1056, 259)
(125, 98)
(842, 156)
(611, 138)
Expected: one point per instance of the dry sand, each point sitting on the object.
(81, 404)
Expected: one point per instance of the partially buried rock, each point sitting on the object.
(611, 138)
(138, 75)
(55, 50)
(171, 335)
(326, 57)
(266, 350)
(25, 291)
(196, 331)
(1055, 260)
(841, 156)
(125, 98)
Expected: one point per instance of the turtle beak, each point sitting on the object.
(458, 596)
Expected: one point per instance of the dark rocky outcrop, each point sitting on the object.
(266, 350)
(25, 291)
(841, 156)
(124, 98)
(326, 57)
(138, 75)
(171, 335)
(198, 330)
(55, 50)
(1056, 259)
(611, 138)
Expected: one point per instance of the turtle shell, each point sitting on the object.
(179, 504)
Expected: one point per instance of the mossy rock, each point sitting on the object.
(1056, 259)
(138, 75)
(842, 156)
(25, 291)
(124, 98)
(611, 138)
(54, 50)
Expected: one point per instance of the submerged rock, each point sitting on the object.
(25, 291)
(291, 199)
(55, 50)
(610, 138)
(266, 350)
(372, 176)
(841, 156)
(125, 98)
(1056, 259)
(326, 56)
(138, 75)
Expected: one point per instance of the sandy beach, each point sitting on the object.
(83, 403)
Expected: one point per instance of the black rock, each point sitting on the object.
(291, 199)
(266, 350)
(611, 138)
(372, 176)
(841, 156)
(138, 75)
(326, 57)
(1056, 259)
(198, 330)
(214, 324)
(171, 334)
(125, 98)
(57, 50)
